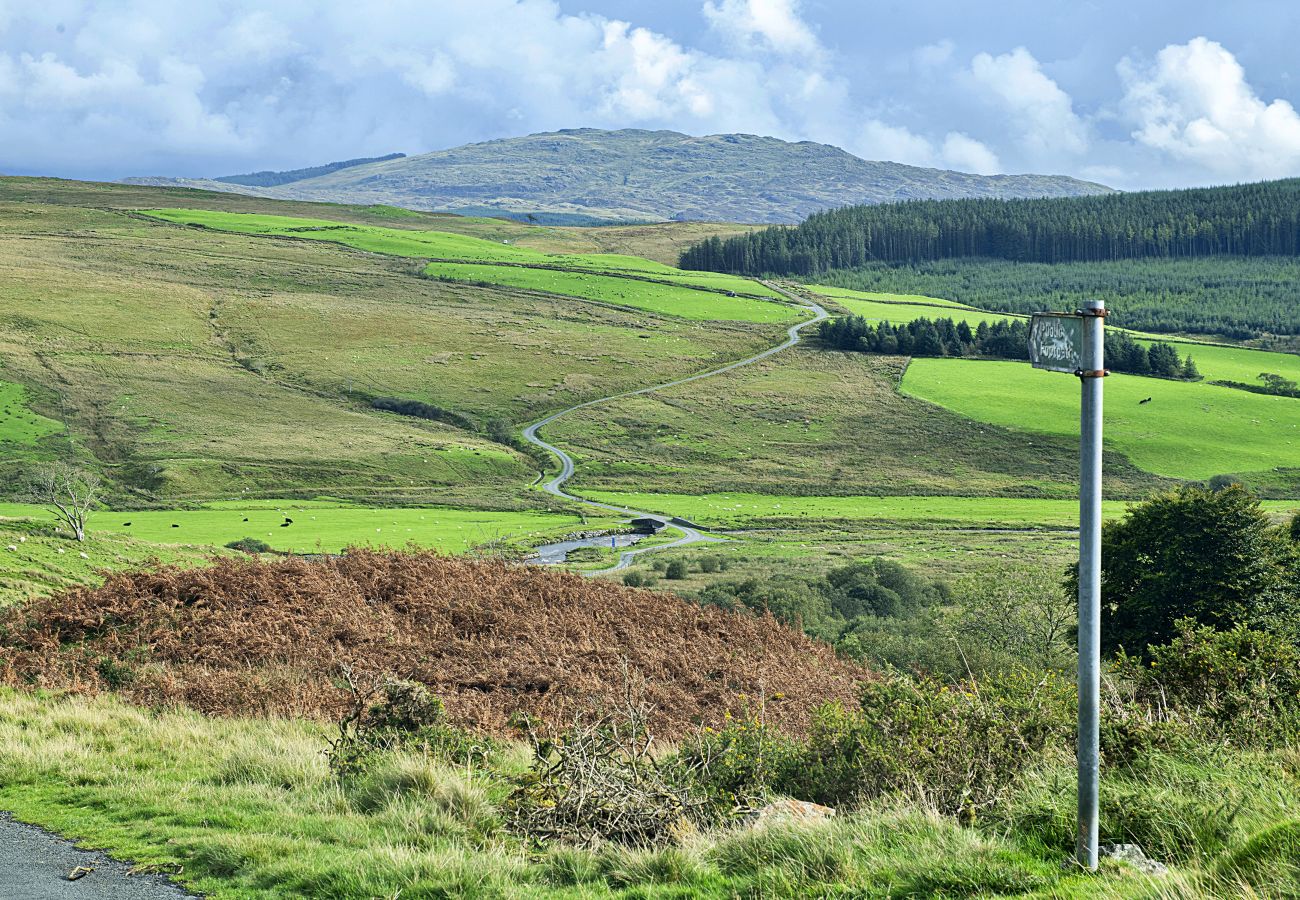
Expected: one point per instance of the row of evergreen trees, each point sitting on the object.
(1244, 220)
(1002, 339)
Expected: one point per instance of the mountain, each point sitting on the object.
(274, 179)
(592, 175)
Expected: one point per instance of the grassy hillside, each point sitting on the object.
(661, 242)
(199, 364)
(649, 176)
(1189, 431)
(814, 422)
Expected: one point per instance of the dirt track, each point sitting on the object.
(690, 535)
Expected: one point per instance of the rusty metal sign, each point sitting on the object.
(1056, 342)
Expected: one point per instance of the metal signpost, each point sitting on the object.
(1075, 343)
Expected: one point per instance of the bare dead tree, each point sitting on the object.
(72, 492)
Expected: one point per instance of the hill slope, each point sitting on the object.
(648, 175)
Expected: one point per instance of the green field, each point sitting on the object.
(1215, 361)
(738, 509)
(43, 562)
(443, 245)
(647, 295)
(324, 526)
(815, 422)
(19, 425)
(1190, 431)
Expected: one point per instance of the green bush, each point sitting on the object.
(634, 579)
(676, 570)
(739, 764)
(393, 714)
(1213, 556)
(958, 747)
(1244, 684)
(250, 545)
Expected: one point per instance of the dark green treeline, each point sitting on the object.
(1244, 220)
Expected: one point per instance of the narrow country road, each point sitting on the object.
(690, 535)
(35, 865)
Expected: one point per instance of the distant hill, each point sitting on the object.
(275, 179)
(633, 175)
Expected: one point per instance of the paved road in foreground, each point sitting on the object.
(690, 535)
(34, 865)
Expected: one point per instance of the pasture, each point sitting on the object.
(651, 296)
(1187, 430)
(19, 425)
(446, 245)
(738, 510)
(324, 526)
(816, 422)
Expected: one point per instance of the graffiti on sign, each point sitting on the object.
(1056, 342)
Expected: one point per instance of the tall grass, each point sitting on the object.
(249, 809)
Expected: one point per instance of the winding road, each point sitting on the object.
(690, 535)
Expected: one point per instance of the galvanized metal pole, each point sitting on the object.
(1091, 375)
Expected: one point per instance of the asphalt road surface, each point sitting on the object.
(34, 865)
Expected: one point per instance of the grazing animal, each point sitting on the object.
(174, 525)
(126, 524)
(1147, 400)
(288, 521)
(285, 524)
(245, 518)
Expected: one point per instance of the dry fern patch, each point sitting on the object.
(260, 637)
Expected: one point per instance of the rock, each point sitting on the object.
(787, 811)
(1132, 855)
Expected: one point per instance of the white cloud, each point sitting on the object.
(879, 140)
(1042, 112)
(966, 154)
(932, 56)
(1195, 104)
(133, 87)
(774, 24)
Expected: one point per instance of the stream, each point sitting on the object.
(550, 554)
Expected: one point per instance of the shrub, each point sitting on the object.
(1209, 555)
(676, 570)
(1244, 683)
(420, 410)
(709, 564)
(958, 747)
(634, 579)
(250, 545)
(739, 764)
(392, 714)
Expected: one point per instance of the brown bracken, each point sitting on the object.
(256, 637)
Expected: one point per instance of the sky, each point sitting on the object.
(1132, 93)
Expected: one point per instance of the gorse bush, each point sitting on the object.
(739, 764)
(958, 747)
(389, 714)
(250, 545)
(1242, 685)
